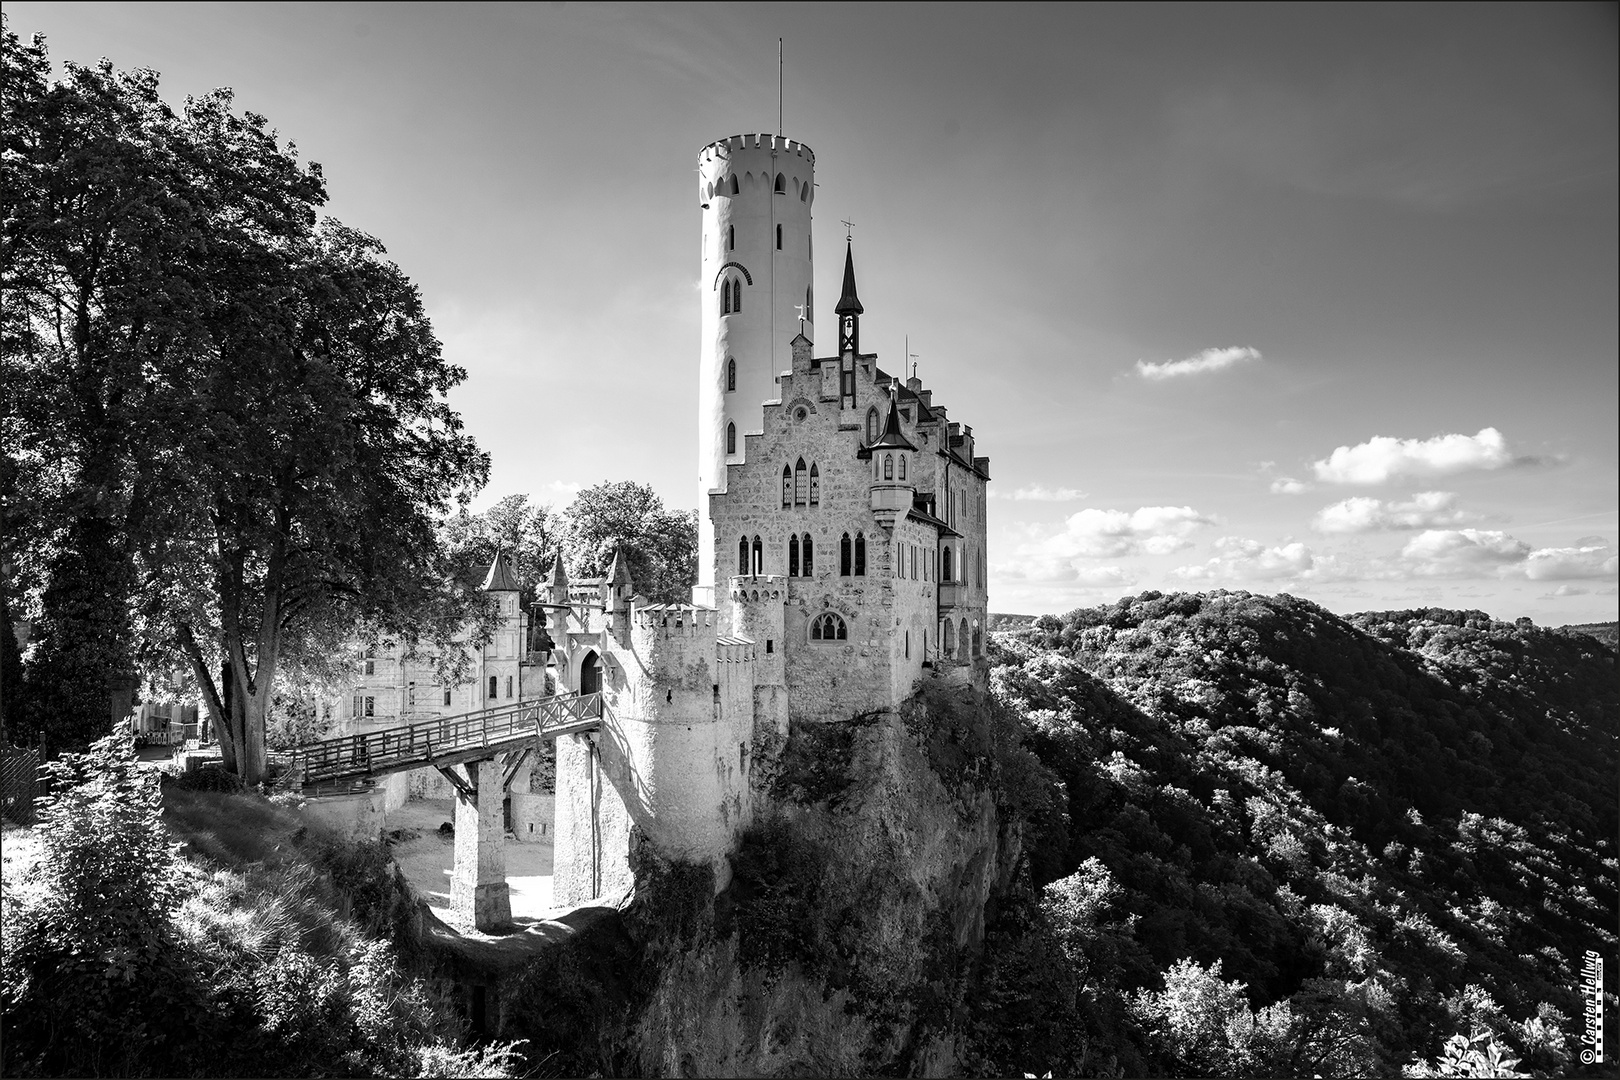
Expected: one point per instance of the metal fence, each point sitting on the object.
(19, 784)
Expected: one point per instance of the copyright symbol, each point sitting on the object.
(1587, 1057)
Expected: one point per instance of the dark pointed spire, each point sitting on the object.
(849, 303)
(500, 577)
(893, 438)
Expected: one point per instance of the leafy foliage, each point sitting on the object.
(529, 535)
(124, 956)
(659, 545)
(1326, 829)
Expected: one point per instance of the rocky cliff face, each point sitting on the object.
(850, 931)
(857, 909)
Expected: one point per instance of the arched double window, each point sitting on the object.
(781, 184)
(800, 488)
(731, 438)
(815, 485)
(787, 485)
(742, 556)
(793, 556)
(731, 375)
(828, 627)
(808, 550)
(846, 551)
(860, 554)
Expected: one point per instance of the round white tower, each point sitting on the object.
(756, 192)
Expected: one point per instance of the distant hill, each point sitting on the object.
(1606, 632)
(1400, 823)
(1001, 622)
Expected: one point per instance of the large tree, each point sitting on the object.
(528, 534)
(659, 545)
(281, 448)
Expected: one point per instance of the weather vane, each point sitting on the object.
(849, 228)
(800, 308)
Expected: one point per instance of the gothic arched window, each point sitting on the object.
(828, 627)
(809, 557)
(734, 188)
(860, 554)
(736, 295)
(793, 556)
(731, 375)
(888, 466)
(902, 466)
(725, 298)
(759, 556)
(844, 551)
(798, 483)
(731, 438)
(815, 485)
(781, 184)
(787, 485)
(742, 556)
(871, 425)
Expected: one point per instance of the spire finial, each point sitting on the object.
(849, 303)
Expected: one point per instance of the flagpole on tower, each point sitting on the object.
(778, 86)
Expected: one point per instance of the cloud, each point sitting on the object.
(1382, 458)
(1208, 360)
(1037, 493)
(1572, 563)
(1249, 560)
(1109, 534)
(1464, 552)
(1287, 485)
(1425, 510)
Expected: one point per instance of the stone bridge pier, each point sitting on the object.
(479, 895)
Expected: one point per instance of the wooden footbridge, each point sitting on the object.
(448, 740)
(467, 748)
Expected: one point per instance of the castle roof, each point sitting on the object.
(620, 573)
(501, 577)
(917, 513)
(892, 438)
(557, 578)
(849, 303)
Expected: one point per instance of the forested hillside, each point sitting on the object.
(1390, 829)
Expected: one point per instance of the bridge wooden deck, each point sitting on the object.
(449, 740)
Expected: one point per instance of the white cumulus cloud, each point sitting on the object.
(1238, 559)
(1040, 493)
(1208, 360)
(1572, 563)
(1287, 485)
(1109, 534)
(1382, 458)
(1464, 552)
(1425, 510)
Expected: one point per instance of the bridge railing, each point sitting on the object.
(413, 745)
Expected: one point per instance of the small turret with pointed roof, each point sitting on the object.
(893, 438)
(557, 581)
(618, 587)
(501, 578)
(849, 309)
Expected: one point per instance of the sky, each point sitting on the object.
(1316, 299)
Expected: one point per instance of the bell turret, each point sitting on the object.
(893, 467)
(849, 309)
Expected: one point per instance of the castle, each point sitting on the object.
(842, 558)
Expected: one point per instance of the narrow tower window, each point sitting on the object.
(809, 557)
(731, 375)
(742, 556)
(888, 466)
(815, 486)
(759, 556)
(787, 485)
(946, 562)
(809, 303)
(731, 238)
(793, 556)
(844, 550)
(736, 295)
(804, 192)
(725, 298)
(731, 438)
(902, 466)
(860, 554)
(871, 425)
(779, 238)
(781, 184)
(734, 188)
